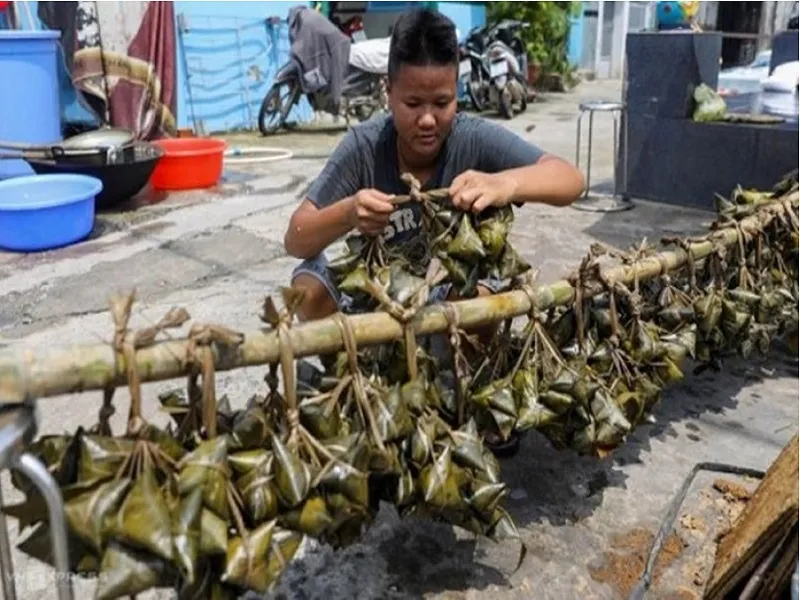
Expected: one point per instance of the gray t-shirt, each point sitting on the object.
(367, 158)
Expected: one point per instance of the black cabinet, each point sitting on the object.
(672, 159)
(784, 48)
(664, 68)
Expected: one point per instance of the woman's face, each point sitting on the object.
(423, 104)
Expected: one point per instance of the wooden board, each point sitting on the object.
(753, 119)
(768, 516)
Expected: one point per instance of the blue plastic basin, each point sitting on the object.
(42, 212)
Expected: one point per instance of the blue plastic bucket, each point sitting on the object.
(42, 212)
(29, 104)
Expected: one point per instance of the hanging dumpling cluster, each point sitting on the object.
(586, 374)
(467, 248)
(213, 517)
(221, 500)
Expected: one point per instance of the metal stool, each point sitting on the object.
(17, 430)
(616, 201)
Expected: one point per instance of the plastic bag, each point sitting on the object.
(709, 105)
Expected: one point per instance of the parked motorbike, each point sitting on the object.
(494, 67)
(363, 91)
(508, 32)
(471, 68)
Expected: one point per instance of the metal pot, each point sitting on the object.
(105, 137)
(107, 145)
(103, 146)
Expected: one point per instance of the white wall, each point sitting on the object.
(615, 19)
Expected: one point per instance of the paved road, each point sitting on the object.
(219, 252)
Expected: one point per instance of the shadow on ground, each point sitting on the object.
(410, 558)
(563, 487)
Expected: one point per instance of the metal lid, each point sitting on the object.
(106, 137)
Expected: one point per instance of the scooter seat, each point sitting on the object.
(371, 56)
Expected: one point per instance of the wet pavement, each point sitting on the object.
(219, 252)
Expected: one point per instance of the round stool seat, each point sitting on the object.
(600, 105)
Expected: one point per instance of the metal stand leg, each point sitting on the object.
(589, 156)
(41, 478)
(614, 146)
(578, 143)
(624, 190)
(6, 564)
(617, 201)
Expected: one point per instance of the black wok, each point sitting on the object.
(122, 180)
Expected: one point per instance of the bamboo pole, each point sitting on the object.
(25, 374)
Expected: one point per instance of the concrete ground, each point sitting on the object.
(587, 523)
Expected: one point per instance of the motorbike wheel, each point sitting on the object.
(523, 103)
(383, 94)
(275, 108)
(476, 90)
(475, 93)
(362, 112)
(506, 104)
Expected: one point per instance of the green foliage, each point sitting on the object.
(547, 36)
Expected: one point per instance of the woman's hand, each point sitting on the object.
(476, 191)
(370, 211)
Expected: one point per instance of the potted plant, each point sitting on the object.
(534, 71)
(546, 39)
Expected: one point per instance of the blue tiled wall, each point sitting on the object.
(465, 15)
(575, 40)
(227, 58)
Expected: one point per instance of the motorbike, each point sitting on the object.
(493, 68)
(362, 90)
(507, 31)
(470, 68)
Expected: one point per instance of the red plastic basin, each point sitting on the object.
(188, 163)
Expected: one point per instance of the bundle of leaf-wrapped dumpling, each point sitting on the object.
(470, 246)
(124, 508)
(450, 475)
